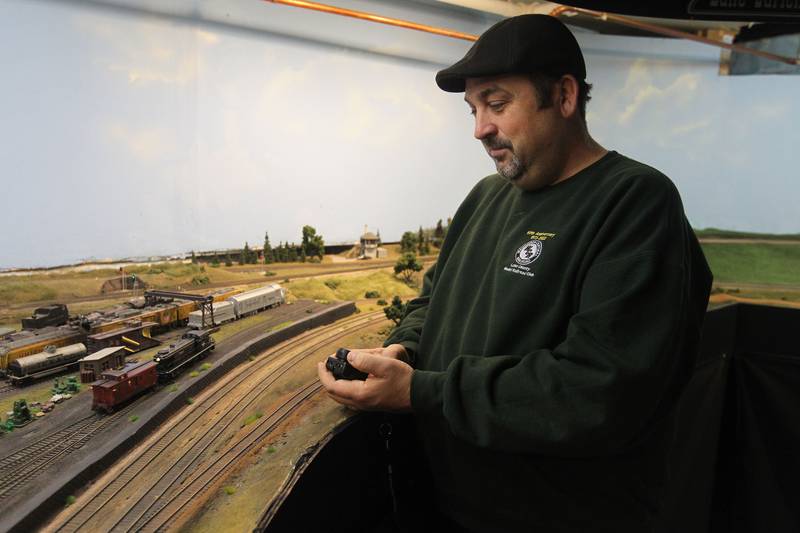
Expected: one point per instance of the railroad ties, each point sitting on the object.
(164, 479)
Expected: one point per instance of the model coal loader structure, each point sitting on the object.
(222, 312)
(46, 363)
(193, 346)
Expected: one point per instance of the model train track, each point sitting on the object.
(224, 405)
(23, 465)
(6, 387)
(213, 472)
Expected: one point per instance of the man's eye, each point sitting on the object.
(472, 111)
(496, 106)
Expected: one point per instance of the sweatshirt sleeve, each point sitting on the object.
(624, 359)
(409, 330)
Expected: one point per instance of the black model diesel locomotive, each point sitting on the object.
(193, 346)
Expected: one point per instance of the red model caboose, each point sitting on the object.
(117, 386)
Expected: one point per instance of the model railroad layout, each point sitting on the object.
(158, 485)
(54, 342)
(54, 448)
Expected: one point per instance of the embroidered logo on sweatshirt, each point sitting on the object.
(528, 253)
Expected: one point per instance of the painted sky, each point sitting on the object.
(125, 134)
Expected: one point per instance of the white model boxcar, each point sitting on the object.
(253, 301)
(223, 312)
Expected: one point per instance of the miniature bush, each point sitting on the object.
(269, 273)
(372, 294)
(194, 374)
(229, 490)
(200, 280)
(382, 302)
(252, 418)
(190, 400)
(204, 367)
(133, 418)
(271, 449)
(332, 284)
(172, 388)
(70, 500)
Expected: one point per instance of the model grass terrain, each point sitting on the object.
(759, 266)
(21, 292)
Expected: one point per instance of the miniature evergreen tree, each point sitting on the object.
(422, 243)
(267, 250)
(438, 233)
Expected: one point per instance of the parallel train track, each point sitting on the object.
(23, 465)
(164, 497)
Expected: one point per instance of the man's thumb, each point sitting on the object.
(366, 362)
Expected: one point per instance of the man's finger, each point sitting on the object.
(369, 363)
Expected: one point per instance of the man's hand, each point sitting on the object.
(393, 351)
(387, 387)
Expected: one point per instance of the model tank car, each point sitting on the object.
(51, 361)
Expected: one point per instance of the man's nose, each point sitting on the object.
(484, 127)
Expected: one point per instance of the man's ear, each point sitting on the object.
(566, 97)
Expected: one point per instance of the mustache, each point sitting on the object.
(495, 143)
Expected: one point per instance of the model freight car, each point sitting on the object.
(250, 302)
(193, 346)
(116, 387)
(133, 338)
(51, 361)
(50, 315)
(223, 312)
(29, 342)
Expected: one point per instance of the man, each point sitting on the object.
(550, 343)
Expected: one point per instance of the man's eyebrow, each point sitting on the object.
(486, 93)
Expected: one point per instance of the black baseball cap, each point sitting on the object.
(518, 45)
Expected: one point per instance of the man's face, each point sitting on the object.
(521, 137)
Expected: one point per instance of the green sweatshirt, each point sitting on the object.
(551, 342)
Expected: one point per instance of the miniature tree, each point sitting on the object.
(408, 242)
(396, 310)
(267, 250)
(422, 243)
(228, 260)
(312, 244)
(406, 266)
(438, 233)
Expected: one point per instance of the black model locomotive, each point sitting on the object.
(193, 346)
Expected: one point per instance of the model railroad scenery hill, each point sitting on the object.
(164, 442)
